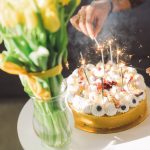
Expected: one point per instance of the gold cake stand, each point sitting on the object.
(106, 125)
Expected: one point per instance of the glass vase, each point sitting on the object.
(51, 122)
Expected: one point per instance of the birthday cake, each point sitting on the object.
(106, 97)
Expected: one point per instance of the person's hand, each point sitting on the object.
(90, 18)
(148, 71)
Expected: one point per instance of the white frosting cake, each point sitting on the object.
(105, 90)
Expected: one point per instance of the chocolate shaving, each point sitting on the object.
(141, 93)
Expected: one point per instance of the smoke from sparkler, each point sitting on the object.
(124, 26)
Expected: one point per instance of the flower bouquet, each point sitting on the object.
(34, 33)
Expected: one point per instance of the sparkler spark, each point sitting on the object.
(67, 65)
(110, 41)
(140, 46)
(100, 47)
(130, 56)
(140, 60)
(118, 52)
(122, 64)
(83, 61)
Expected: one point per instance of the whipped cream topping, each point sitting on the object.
(139, 81)
(90, 66)
(75, 73)
(97, 92)
(93, 88)
(73, 89)
(71, 80)
(88, 108)
(134, 102)
(79, 103)
(110, 109)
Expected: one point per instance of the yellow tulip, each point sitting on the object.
(44, 3)
(21, 17)
(26, 13)
(9, 18)
(18, 12)
(9, 15)
(78, 2)
(31, 19)
(49, 14)
(64, 2)
(50, 18)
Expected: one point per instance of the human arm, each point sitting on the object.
(91, 18)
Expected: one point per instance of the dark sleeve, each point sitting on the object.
(135, 3)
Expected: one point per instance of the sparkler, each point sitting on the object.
(110, 48)
(101, 49)
(102, 54)
(121, 73)
(118, 54)
(84, 68)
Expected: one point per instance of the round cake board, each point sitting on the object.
(137, 137)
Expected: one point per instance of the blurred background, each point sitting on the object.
(131, 28)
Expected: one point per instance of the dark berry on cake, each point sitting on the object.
(134, 101)
(99, 108)
(123, 107)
